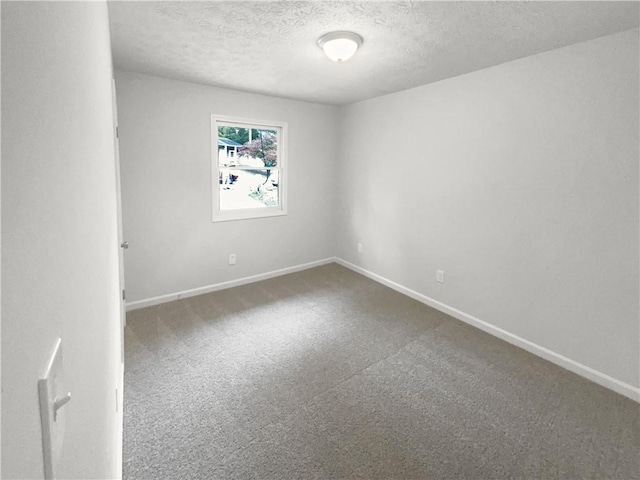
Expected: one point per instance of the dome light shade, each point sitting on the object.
(340, 46)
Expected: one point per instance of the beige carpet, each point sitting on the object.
(327, 374)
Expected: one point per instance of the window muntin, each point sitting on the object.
(248, 168)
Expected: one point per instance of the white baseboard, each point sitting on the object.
(594, 375)
(148, 302)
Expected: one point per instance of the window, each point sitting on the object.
(248, 166)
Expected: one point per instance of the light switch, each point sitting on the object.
(53, 398)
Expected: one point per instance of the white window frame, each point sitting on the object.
(219, 215)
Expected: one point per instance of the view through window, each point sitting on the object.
(248, 167)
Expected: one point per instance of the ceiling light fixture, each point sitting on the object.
(340, 46)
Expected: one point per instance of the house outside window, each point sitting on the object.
(248, 166)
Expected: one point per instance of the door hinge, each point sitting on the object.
(124, 296)
(117, 132)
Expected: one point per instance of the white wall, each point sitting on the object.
(165, 152)
(521, 183)
(59, 241)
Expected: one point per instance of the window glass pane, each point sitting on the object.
(247, 147)
(248, 188)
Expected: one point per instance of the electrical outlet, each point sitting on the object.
(360, 248)
(440, 276)
(232, 259)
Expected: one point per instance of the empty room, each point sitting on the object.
(320, 240)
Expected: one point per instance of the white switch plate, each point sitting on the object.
(440, 276)
(53, 397)
(232, 259)
(360, 248)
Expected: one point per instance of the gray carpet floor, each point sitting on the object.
(326, 374)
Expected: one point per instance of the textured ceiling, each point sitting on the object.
(270, 46)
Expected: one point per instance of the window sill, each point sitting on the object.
(248, 214)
